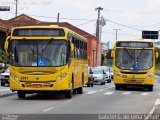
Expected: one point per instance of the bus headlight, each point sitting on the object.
(14, 77)
(150, 75)
(61, 77)
(117, 74)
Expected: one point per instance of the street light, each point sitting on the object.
(16, 7)
(116, 32)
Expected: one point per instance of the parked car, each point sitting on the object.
(98, 76)
(5, 77)
(107, 74)
(90, 78)
(111, 72)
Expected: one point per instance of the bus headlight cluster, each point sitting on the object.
(61, 77)
(150, 75)
(117, 74)
(14, 77)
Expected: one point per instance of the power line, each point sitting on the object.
(123, 25)
(86, 23)
(148, 25)
(54, 17)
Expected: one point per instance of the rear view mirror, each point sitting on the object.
(6, 45)
(112, 54)
(157, 54)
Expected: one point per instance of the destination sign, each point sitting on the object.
(134, 44)
(38, 32)
(4, 8)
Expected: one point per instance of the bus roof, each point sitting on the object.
(53, 26)
(136, 40)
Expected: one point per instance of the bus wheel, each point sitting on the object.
(21, 94)
(88, 84)
(68, 94)
(150, 88)
(117, 87)
(80, 90)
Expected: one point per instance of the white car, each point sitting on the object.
(98, 76)
(5, 77)
(107, 74)
(111, 72)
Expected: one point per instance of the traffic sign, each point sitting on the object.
(4, 8)
(150, 34)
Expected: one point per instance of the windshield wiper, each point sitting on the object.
(129, 53)
(140, 54)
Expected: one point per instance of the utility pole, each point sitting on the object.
(98, 35)
(116, 33)
(16, 8)
(98, 23)
(58, 18)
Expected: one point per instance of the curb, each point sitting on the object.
(8, 94)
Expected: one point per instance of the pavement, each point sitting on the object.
(98, 102)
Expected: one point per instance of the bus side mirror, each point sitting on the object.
(72, 47)
(157, 54)
(6, 45)
(112, 54)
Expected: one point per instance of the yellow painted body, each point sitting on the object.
(51, 78)
(126, 77)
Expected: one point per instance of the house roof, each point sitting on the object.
(25, 20)
(5, 25)
(69, 26)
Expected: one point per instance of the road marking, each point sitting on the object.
(105, 89)
(108, 93)
(153, 109)
(91, 92)
(144, 93)
(4, 90)
(126, 93)
(68, 100)
(48, 109)
(157, 102)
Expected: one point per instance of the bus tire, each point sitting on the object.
(80, 89)
(88, 84)
(117, 87)
(21, 94)
(68, 94)
(150, 88)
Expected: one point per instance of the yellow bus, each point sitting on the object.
(47, 59)
(134, 63)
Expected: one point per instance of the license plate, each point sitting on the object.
(36, 85)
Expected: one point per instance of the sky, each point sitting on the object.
(130, 16)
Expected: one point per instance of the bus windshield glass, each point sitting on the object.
(127, 58)
(40, 53)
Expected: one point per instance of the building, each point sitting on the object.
(24, 20)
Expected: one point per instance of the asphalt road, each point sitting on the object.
(100, 99)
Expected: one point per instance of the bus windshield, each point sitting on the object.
(39, 53)
(126, 58)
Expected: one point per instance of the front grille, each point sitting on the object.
(133, 72)
(45, 85)
(132, 81)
